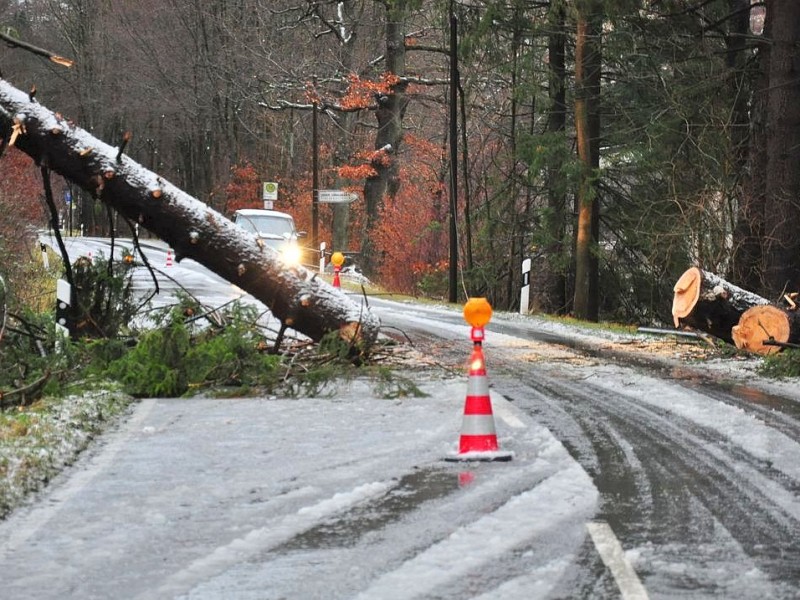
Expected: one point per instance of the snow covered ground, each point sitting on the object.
(348, 496)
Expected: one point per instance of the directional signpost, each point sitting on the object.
(336, 197)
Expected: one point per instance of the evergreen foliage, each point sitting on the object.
(104, 301)
(182, 355)
(782, 364)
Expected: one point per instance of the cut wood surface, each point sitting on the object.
(762, 324)
(299, 298)
(705, 301)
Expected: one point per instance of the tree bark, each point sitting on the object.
(389, 115)
(749, 144)
(550, 283)
(707, 302)
(295, 296)
(762, 324)
(587, 133)
(782, 215)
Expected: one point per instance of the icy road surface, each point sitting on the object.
(627, 482)
(697, 467)
(311, 498)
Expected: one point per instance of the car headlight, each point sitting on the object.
(291, 254)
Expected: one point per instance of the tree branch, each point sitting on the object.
(14, 43)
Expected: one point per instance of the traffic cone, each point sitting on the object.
(169, 257)
(478, 436)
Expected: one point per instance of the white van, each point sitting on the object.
(275, 228)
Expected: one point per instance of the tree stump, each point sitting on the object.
(761, 324)
(705, 301)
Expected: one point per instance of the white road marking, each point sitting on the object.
(506, 411)
(613, 556)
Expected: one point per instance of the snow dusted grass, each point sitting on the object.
(36, 442)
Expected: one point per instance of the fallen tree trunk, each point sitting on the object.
(761, 326)
(296, 296)
(707, 302)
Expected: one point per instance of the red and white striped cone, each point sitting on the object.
(478, 436)
(169, 257)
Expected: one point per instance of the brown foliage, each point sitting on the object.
(243, 187)
(411, 236)
(20, 207)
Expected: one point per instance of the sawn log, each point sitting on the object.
(296, 296)
(761, 326)
(706, 302)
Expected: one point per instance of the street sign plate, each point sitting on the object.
(336, 197)
(269, 191)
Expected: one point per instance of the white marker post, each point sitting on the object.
(322, 247)
(45, 258)
(63, 305)
(524, 296)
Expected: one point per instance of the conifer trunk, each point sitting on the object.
(587, 129)
(297, 297)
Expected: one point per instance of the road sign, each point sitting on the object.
(336, 197)
(67, 196)
(269, 191)
(269, 205)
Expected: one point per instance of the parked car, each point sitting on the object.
(276, 229)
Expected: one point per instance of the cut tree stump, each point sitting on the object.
(761, 325)
(706, 302)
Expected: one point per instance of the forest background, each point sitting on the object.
(613, 142)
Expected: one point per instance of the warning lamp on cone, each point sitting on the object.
(478, 437)
(337, 259)
(478, 313)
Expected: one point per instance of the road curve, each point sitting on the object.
(698, 477)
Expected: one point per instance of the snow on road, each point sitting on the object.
(198, 497)
(348, 496)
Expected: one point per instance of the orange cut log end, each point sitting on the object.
(761, 324)
(687, 293)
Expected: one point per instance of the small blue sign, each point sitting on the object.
(67, 196)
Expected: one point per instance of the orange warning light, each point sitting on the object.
(477, 312)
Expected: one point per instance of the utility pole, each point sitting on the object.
(314, 178)
(453, 272)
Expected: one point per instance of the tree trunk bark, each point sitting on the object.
(298, 298)
(550, 285)
(782, 217)
(749, 145)
(707, 302)
(762, 324)
(389, 115)
(587, 133)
